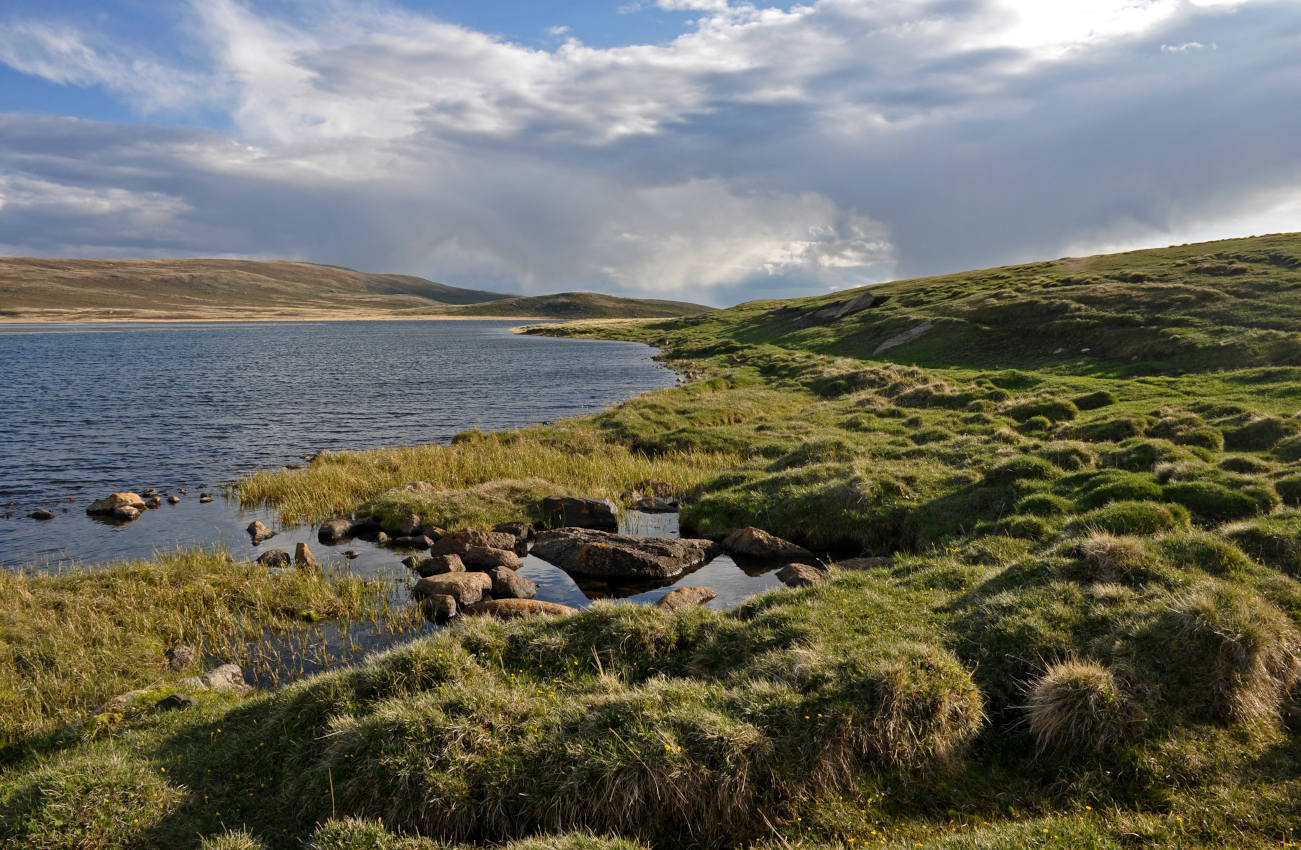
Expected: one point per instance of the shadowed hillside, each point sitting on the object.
(583, 305)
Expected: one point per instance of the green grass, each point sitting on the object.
(1087, 633)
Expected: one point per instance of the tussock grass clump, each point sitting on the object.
(1258, 433)
(1110, 558)
(1244, 650)
(1095, 400)
(1289, 490)
(1070, 456)
(1132, 518)
(1274, 540)
(1077, 707)
(1109, 429)
(1289, 448)
(1142, 455)
(1245, 465)
(1201, 550)
(1213, 502)
(1051, 408)
(232, 840)
(1115, 486)
(1044, 505)
(1022, 468)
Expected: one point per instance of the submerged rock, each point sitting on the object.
(754, 542)
(41, 514)
(410, 541)
(513, 609)
(173, 500)
(205, 498)
(566, 512)
(683, 597)
(258, 532)
(126, 513)
(600, 554)
(154, 502)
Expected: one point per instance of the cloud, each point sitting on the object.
(765, 151)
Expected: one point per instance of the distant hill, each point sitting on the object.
(33, 289)
(582, 305)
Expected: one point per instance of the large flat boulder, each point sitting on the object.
(756, 543)
(465, 588)
(513, 609)
(568, 512)
(113, 504)
(614, 557)
(456, 542)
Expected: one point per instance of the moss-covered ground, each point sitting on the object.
(1086, 475)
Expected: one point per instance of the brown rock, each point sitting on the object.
(409, 525)
(303, 556)
(508, 584)
(440, 607)
(114, 502)
(334, 531)
(154, 502)
(458, 542)
(466, 588)
(42, 514)
(205, 498)
(683, 597)
(513, 609)
(655, 505)
(438, 565)
(567, 512)
(485, 558)
(756, 543)
(259, 532)
(801, 575)
(173, 500)
(126, 513)
(409, 542)
(274, 558)
(599, 554)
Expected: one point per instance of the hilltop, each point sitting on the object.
(1058, 512)
(33, 289)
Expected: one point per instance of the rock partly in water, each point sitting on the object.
(566, 512)
(440, 607)
(508, 584)
(523, 531)
(126, 513)
(180, 656)
(173, 500)
(274, 558)
(599, 554)
(800, 575)
(110, 505)
(334, 531)
(457, 542)
(655, 505)
(685, 597)
(513, 609)
(41, 514)
(437, 565)
(154, 502)
(466, 588)
(485, 558)
(410, 542)
(205, 498)
(258, 532)
(756, 543)
(351, 554)
(303, 556)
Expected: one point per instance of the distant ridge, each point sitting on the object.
(37, 289)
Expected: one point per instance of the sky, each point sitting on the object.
(704, 150)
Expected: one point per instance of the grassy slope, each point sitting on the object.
(1087, 634)
(36, 289)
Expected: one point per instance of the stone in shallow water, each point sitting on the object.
(466, 588)
(258, 532)
(508, 584)
(756, 543)
(274, 558)
(567, 512)
(303, 556)
(684, 597)
(112, 503)
(600, 554)
(334, 531)
(800, 575)
(437, 565)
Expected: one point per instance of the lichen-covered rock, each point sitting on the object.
(459, 542)
(754, 542)
(600, 554)
(438, 565)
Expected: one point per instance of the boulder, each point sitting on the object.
(126, 513)
(522, 530)
(409, 525)
(684, 597)
(274, 558)
(756, 543)
(259, 532)
(205, 498)
(566, 512)
(227, 677)
(508, 584)
(433, 532)
(411, 542)
(115, 502)
(173, 500)
(438, 565)
(41, 514)
(458, 542)
(655, 505)
(351, 554)
(334, 531)
(180, 656)
(599, 554)
(485, 558)
(303, 556)
(367, 528)
(380, 538)
(800, 575)
(466, 588)
(440, 607)
(154, 502)
(513, 609)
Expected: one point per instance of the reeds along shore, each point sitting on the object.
(1082, 628)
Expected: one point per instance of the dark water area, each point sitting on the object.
(92, 409)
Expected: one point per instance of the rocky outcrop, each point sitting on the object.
(685, 597)
(258, 532)
(514, 609)
(754, 542)
(334, 531)
(800, 575)
(465, 588)
(508, 584)
(274, 558)
(566, 512)
(114, 505)
(303, 556)
(599, 554)
(438, 565)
